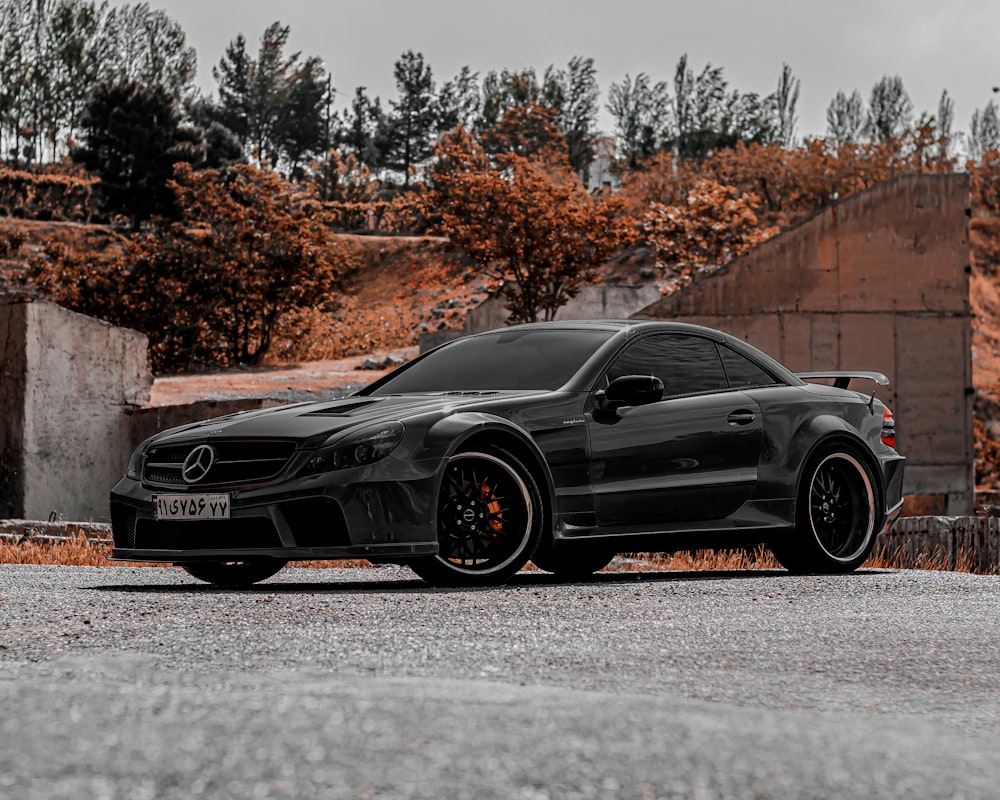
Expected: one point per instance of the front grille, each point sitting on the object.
(232, 534)
(233, 463)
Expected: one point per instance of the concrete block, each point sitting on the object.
(81, 375)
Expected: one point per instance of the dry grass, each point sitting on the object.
(76, 550)
(695, 561)
(82, 550)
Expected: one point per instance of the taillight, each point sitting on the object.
(888, 428)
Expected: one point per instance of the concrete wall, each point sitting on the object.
(71, 378)
(878, 281)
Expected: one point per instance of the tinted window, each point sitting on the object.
(742, 372)
(506, 360)
(685, 364)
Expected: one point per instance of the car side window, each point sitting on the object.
(686, 364)
(742, 372)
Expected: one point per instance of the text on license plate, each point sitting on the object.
(192, 506)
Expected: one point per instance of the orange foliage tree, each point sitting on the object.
(532, 229)
(792, 184)
(211, 288)
(711, 226)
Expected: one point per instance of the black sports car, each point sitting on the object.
(563, 443)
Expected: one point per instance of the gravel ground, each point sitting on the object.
(135, 683)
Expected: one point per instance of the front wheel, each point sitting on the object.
(489, 521)
(234, 574)
(837, 515)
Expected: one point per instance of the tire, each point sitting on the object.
(490, 518)
(234, 574)
(571, 561)
(837, 516)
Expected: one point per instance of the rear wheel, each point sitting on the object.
(838, 511)
(489, 521)
(233, 574)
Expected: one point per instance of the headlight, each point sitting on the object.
(134, 468)
(358, 449)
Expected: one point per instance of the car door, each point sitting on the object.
(690, 457)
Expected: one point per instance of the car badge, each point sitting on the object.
(198, 463)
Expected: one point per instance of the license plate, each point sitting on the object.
(192, 506)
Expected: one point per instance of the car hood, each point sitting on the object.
(314, 422)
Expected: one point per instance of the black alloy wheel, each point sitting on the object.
(837, 516)
(234, 574)
(489, 520)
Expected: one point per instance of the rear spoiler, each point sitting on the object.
(843, 379)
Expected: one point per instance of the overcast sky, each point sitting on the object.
(838, 44)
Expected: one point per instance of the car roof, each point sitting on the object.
(630, 325)
(635, 327)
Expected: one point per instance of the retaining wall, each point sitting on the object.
(878, 281)
(950, 542)
(66, 381)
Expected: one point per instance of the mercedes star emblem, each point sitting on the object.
(198, 463)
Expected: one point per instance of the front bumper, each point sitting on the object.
(385, 510)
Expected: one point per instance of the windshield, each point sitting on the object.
(499, 361)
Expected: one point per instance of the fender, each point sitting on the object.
(447, 436)
(823, 430)
(815, 432)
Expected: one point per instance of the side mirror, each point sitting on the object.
(630, 390)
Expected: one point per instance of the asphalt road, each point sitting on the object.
(141, 683)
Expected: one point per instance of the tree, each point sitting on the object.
(15, 73)
(132, 139)
(890, 110)
(712, 226)
(53, 52)
(536, 237)
(458, 101)
(509, 90)
(363, 128)
(576, 108)
(945, 121)
(528, 131)
(984, 131)
(74, 66)
(786, 97)
(210, 288)
(845, 118)
(412, 123)
(141, 45)
(641, 113)
(274, 103)
(707, 117)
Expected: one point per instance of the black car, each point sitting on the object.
(564, 443)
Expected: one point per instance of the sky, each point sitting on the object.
(834, 45)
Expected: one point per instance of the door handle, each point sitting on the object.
(741, 417)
